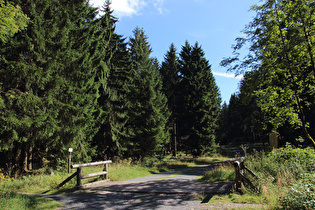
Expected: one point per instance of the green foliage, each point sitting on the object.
(169, 72)
(50, 75)
(149, 112)
(282, 55)
(199, 101)
(12, 20)
(286, 176)
(300, 196)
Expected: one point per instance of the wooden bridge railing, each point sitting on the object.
(80, 177)
(240, 178)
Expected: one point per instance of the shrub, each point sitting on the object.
(300, 196)
(286, 174)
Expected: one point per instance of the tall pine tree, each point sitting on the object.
(149, 114)
(169, 71)
(112, 138)
(48, 78)
(200, 101)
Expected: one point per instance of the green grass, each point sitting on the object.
(11, 200)
(221, 173)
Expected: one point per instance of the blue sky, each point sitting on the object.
(214, 24)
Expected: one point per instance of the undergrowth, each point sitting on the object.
(286, 179)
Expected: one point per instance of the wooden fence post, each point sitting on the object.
(79, 177)
(106, 169)
(238, 180)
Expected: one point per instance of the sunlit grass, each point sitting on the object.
(221, 173)
(11, 200)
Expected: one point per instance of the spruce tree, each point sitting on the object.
(200, 100)
(48, 79)
(112, 138)
(169, 71)
(149, 104)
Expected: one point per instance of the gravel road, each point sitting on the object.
(160, 191)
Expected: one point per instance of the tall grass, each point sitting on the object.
(282, 173)
(221, 173)
(286, 179)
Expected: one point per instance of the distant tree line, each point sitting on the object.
(69, 80)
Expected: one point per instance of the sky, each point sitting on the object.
(214, 24)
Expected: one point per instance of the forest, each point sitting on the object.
(68, 80)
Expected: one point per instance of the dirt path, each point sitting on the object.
(171, 190)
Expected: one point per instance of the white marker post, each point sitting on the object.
(69, 160)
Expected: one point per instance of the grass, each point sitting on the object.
(221, 173)
(11, 200)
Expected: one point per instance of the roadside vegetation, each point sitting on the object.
(286, 179)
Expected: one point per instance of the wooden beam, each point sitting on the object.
(93, 174)
(91, 164)
(67, 180)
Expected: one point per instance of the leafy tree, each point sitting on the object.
(149, 116)
(12, 20)
(169, 71)
(200, 100)
(281, 39)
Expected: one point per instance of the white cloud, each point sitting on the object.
(122, 7)
(158, 4)
(228, 75)
(130, 7)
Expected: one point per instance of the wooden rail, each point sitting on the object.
(240, 178)
(80, 177)
(79, 166)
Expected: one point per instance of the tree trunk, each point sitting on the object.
(30, 157)
(175, 140)
(16, 160)
(25, 156)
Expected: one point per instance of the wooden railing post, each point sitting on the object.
(238, 179)
(239, 175)
(106, 169)
(79, 177)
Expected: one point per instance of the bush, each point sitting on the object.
(300, 196)
(286, 174)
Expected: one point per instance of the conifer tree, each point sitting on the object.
(12, 20)
(149, 105)
(112, 138)
(169, 71)
(48, 74)
(200, 100)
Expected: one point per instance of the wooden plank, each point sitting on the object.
(93, 175)
(249, 182)
(251, 172)
(91, 164)
(66, 180)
